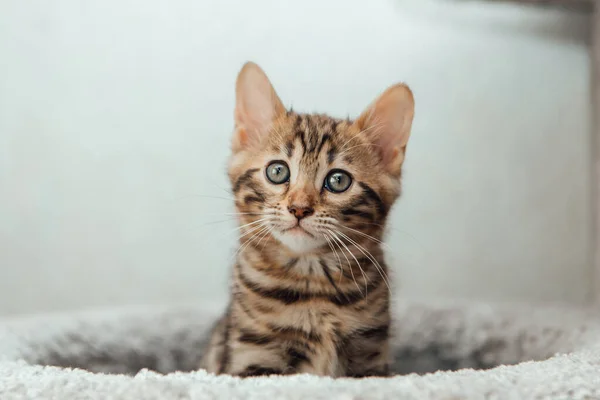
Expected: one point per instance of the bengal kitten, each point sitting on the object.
(310, 291)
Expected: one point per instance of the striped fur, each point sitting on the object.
(315, 300)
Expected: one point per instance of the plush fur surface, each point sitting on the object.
(119, 345)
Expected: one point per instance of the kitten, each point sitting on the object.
(309, 288)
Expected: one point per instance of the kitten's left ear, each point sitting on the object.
(387, 123)
(257, 106)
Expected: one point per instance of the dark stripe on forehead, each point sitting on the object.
(297, 122)
(289, 148)
(244, 179)
(326, 138)
(314, 141)
(301, 137)
(307, 130)
(334, 125)
(313, 136)
(331, 155)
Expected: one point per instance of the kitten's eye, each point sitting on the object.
(338, 181)
(278, 172)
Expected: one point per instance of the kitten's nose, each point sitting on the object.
(300, 212)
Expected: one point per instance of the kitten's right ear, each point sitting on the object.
(256, 107)
(387, 123)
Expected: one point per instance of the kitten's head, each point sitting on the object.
(311, 181)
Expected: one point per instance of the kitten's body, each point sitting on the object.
(309, 288)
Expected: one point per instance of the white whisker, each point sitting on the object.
(263, 236)
(357, 263)
(252, 230)
(335, 253)
(371, 258)
(335, 223)
(246, 243)
(373, 238)
(270, 218)
(231, 219)
(250, 213)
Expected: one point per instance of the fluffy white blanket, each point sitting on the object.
(133, 353)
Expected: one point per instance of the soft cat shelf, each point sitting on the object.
(107, 349)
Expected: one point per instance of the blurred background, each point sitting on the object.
(115, 121)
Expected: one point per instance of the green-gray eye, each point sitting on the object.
(278, 172)
(338, 181)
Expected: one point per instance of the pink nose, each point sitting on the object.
(301, 212)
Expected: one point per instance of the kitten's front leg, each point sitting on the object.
(324, 361)
(251, 355)
(368, 354)
(213, 353)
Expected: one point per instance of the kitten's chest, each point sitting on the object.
(322, 319)
(320, 313)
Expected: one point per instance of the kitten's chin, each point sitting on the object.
(299, 241)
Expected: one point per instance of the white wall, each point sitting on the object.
(115, 118)
(595, 55)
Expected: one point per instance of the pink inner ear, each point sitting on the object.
(389, 146)
(254, 111)
(255, 123)
(257, 105)
(388, 121)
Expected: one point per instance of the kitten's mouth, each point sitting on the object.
(297, 230)
(298, 238)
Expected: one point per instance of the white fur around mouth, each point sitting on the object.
(298, 239)
(297, 230)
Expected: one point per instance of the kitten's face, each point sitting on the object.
(311, 181)
(314, 180)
